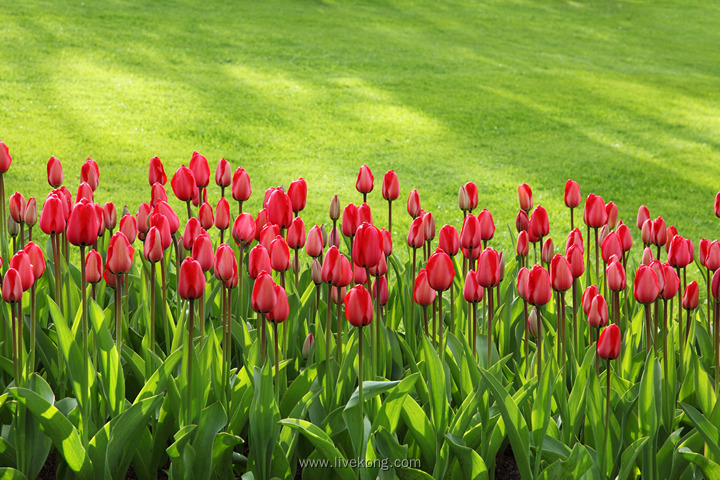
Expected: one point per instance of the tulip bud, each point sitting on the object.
(587, 297)
(702, 254)
(52, 219)
(598, 314)
(314, 244)
(120, 254)
(30, 216)
(525, 197)
(183, 184)
(200, 169)
(473, 292)
(12, 290)
(316, 272)
(364, 183)
(258, 261)
(384, 294)
(264, 296)
(334, 208)
(358, 306)
(572, 194)
(17, 207)
(611, 211)
(488, 268)
(416, 234)
(243, 231)
(205, 216)
(223, 174)
(533, 323)
(429, 226)
(82, 226)
(90, 173)
(575, 257)
(595, 215)
(671, 282)
(561, 277)
(548, 251)
(297, 192)
(390, 186)
(608, 345)
(37, 259)
(13, 228)
(463, 199)
(308, 345)
(350, 220)
(441, 272)
(334, 237)
(604, 232)
(522, 283)
(523, 246)
(100, 219)
(21, 262)
(241, 189)
(539, 223)
(156, 173)
(470, 233)
(279, 254)
(691, 296)
(93, 267)
(222, 214)
(413, 204)
(646, 288)
(615, 274)
(386, 242)
(202, 251)
(647, 256)
(671, 232)
(423, 293)
(712, 258)
(625, 237)
(487, 226)
(364, 214)
(646, 232)
(522, 221)
(539, 291)
(281, 310)
(55, 174)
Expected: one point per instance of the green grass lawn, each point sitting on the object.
(623, 97)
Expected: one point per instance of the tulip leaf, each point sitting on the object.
(412, 474)
(391, 408)
(707, 430)
(708, 467)
(56, 426)
(322, 443)
(627, 463)
(575, 466)
(471, 464)
(435, 378)
(514, 422)
(7, 473)
(420, 428)
(298, 389)
(264, 417)
(157, 381)
(111, 379)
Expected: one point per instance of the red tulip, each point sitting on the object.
(128, 226)
(472, 194)
(413, 204)
(671, 282)
(12, 290)
(604, 232)
(224, 263)
(561, 277)
(488, 268)
(52, 219)
(364, 214)
(331, 267)
(646, 232)
(37, 259)
(539, 291)
(258, 261)
(595, 214)
(202, 251)
(109, 216)
(642, 216)
(90, 173)
(264, 296)
(334, 210)
(691, 296)
(470, 233)
(358, 306)
(384, 294)
(615, 274)
(440, 271)
(416, 234)
(647, 256)
(367, 247)
(143, 217)
(364, 183)
(279, 254)
(17, 207)
(183, 184)
(611, 211)
(101, 219)
(223, 174)
(380, 269)
(572, 194)
(314, 244)
(473, 291)
(241, 189)
(539, 223)
(386, 242)
(547, 252)
(611, 246)
(671, 232)
(657, 267)
(157, 194)
(659, 232)
(598, 314)
(575, 257)
(712, 258)
(523, 246)
(200, 169)
(334, 237)
(679, 253)
(715, 285)
(93, 267)
(113, 281)
(625, 237)
(191, 232)
(192, 280)
(298, 194)
(423, 293)
(608, 345)
(359, 275)
(349, 220)
(268, 234)
(702, 254)
(55, 174)
(487, 226)
(205, 215)
(156, 173)
(525, 197)
(120, 254)
(717, 205)
(587, 297)
(346, 272)
(646, 287)
(522, 221)
(296, 234)
(390, 186)
(21, 262)
(522, 283)
(222, 214)
(232, 282)
(152, 248)
(161, 223)
(243, 231)
(83, 225)
(428, 226)
(5, 158)
(448, 241)
(281, 310)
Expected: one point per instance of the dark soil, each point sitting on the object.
(506, 467)
(49, 470)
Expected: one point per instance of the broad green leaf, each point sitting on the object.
(514, 422)
(389, 414)
(157, 381)
(420, 428)
(212, 419)
(56, 426)
(412, 474)
(575, 466)
(707, 430)
(471, 465)
(435, 378)
(324, 444)
(112, 378)
(627, 463)
(264, 417)
(371, 389)
(7, 473)
(708, 467)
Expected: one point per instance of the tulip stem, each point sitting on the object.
(191, 327)
(118, 313)
(177, 277)
(328, 335)
(597, 260)
(656, 324)
(152, 307)
(680, 317)
(527, 332)
(687, 314)
(587, 258)
(85, 393)
(201, 316)
(453, 323)
(561, 304)
(434, 316)
(648, 322)
(489, 326)
(338, 346)
(576, 336)
(665, 346)
(708, 295)
(474, 328)
(55, 241)
(378, 321)
(189, 210)
(572, 219)
(390, 216)
(373, 340)
(240, 277)
(166, 321)
(361, 408)
(410, 326)
(263, 340)
(441, 322)
(33, 321)
(425, 317)
(16, 363)
(539, 342)
(277, 364)
(296, 270)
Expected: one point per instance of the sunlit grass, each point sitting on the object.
(621, 96)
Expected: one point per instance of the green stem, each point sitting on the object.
(277, 364)
(489, 326)
(152, 307)
(191, 327)
(360, 388)
(86, 394)
(328, 335)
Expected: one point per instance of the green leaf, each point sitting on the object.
(56, 426)
(7, 473)
(264, 417)
(471, 465)
(157, 381)
(412, 474)
(390, 411)
(708, 467)
(435, 378)
(575, 466)
(125, 433)
(112, 378)
(707, 430)
(627, 464)
(370, 389)
(212, 419)
(322, 443)
(420, 428)
(514, 422)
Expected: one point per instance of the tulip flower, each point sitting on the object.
(93, 267)
(12, 293)
(350, 221)
(298, 195)
(423, 295)
(572, 199)
(279, 256)
(608, 345)
(183, 185)
(523, 247)
(314, 243)
(646, 290)
(120, 254)
(258, 261)
(470, 238)
(448, 240)
(90, 173)
(691, 296)
(384, 294)
(525, 197)
(367, 247)
(717, 205)
(205, 216)
(539, 293)
(364, 183)
(223, 176)
(413, 204)
(539, 224)
(487, 226)
(522, 222)
(547, 251)
(468, 198)
(241, 189)
(610, 246)
(428, 221)
(55, 174)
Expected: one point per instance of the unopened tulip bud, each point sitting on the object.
(463, 199)
(334, 208)
(608, 345)
(125, 211)
(548, 251)
(13, 227)
(604, 232)
(30, 216)
(533, 323)
(522, 222)
(525, 197)
(502, 266)
(647, 256)
(308, 345)
(691, 296)
(316, 271)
